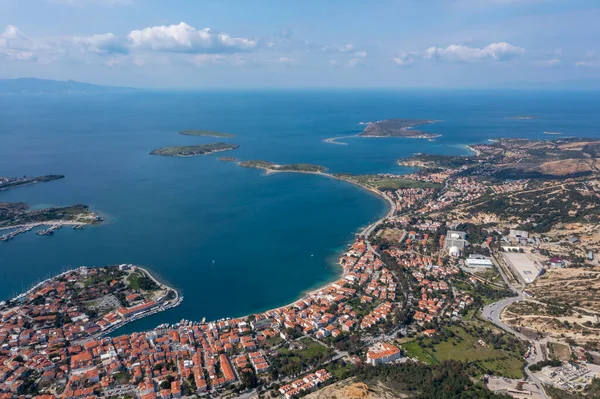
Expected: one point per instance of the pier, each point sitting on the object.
(13, 234)
(49, 231)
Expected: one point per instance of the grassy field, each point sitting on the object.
(465, 347)
(559, 351)
(412, 349)
(391, 183)
(133, 281)
(312, 349)
(393, 235)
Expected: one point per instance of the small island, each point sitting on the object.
(553, 133)
(11, 182)
(206, 133)
(521, 117)
(193, 150)
(228, 159)
(271, 167)
(398, 128)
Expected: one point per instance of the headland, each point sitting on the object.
(12, 182)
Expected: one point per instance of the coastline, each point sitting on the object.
(179, 298)
(311, 291)
(475, 151)
(172, 303)
(426, 136)
(168, 304)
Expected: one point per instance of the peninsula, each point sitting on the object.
(206, 133)
(398, 128)
(193, 150)
(11, 182)
(14, 214)
(271, 167)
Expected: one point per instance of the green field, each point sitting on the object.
(313, 349)
(412, 349)
(384, 183)
(133, 281)
(465, 347)
(206, 133)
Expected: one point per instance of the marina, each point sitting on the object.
(49, 231)
(13, 234)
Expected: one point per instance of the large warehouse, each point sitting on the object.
(522, 265)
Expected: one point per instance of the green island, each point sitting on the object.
(398, 128)
(11, 182)
(271, 167)
(206, 133)
(192, 150)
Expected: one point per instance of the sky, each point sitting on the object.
(195, 44)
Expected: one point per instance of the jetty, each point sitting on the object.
(49, 231)
(13, 234)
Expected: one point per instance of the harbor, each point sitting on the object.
(13, 234)
(48, 231)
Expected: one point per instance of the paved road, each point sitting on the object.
(369, 229)
(492, 313)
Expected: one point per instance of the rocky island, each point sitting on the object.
(271, 167)
(193, 150)
(206, 133)
(398, 128)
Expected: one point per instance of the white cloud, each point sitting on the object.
(103, 44)
(496, 51)
(206, 59)
(184, 38)
(344, 48)
(15, 46)
(591, 60)
(549, 63)
(588, 63)
(81, 3)
(355, 62)
(286, 61)
(405, 59)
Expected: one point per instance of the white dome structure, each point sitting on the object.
(454, 251)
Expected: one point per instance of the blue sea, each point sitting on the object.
(234, 241)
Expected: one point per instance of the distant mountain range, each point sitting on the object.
(33, 85)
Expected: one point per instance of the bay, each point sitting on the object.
(271, 237)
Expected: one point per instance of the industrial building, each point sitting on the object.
(523, 266)
(478, 261)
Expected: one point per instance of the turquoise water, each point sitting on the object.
(271, 237)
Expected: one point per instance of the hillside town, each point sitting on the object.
(448, 267)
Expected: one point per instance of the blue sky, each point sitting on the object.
(302, 43)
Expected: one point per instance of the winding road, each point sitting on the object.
(493, 311)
